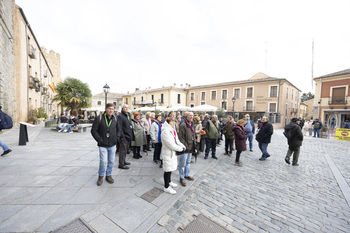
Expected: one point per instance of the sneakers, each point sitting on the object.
(71, 132)
(6, 152)
(169, 190)
(60, 130)
(65, 131)
(173, 185)
(100, 181)
(239, 164)
(183, 182)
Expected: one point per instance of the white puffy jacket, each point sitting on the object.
(170, 144)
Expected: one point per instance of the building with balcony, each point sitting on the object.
(259, 95)
(331, 100)
(170, 96)
(33, 73)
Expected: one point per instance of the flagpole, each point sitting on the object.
(312, 65)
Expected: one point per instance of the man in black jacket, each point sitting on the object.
(125, 135)
(104, 131)
(264, 137)
(295, 141)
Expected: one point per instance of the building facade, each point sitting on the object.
(98, 100)
(170, 96)
(332, 101)
(7, 58)
(260, 95)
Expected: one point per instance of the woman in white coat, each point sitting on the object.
(171, 144)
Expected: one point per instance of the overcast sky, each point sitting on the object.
(140, 44)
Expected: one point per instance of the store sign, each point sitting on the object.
(342, 134)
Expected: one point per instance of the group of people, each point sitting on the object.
(65, 123)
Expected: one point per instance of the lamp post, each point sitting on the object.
(233, 106)
(155, 106)
(106, 90)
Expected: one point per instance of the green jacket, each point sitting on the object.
(212, 131)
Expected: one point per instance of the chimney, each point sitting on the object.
(136, 89)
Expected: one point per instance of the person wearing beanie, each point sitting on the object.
(295, 137)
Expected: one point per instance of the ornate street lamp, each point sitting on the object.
(233, 106)
(106, 90)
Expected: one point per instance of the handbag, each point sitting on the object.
(203, 132)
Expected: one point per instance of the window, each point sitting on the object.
(161, 98)
(292, 93)
(178, 98)
(249, 92)
(213, 95)
(192, 96)
(191, 105)
(287, 93)
(237, 93)
(272, 107)
(249, 105)
(224, 105)
(142, 98)
(224, 94)
(286, 109)
(338, 95)
(115, 103)
(134, 100)
(203, 95)
(202, 103)
(98, 102)
(273, 91)
(126, 100)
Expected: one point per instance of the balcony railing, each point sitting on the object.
(143, 102)
(31, 51)
(337, 100)
(248, 108)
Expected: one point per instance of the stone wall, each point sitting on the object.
(7, 58)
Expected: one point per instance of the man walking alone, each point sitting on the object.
(295, 138)
(104, 131)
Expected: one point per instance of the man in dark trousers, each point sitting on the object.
(104, 131)
(317, 126)
(264, 137)
(295, 140)
(125, 134)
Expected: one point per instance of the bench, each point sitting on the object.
(81, 128)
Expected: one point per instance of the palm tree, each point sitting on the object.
(73, 94)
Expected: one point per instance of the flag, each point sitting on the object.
(52, 86)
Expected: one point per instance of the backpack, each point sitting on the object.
(5, 121)
(289, 134)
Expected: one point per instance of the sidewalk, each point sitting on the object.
(52, 181)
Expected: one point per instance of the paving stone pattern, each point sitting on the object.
(269, 196)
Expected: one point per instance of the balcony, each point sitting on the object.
(140, 102)
(334, 100)
(31, 82)
(248, 109)
(31, 51)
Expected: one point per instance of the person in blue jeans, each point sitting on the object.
(5, 148)
(187, 138)
(317, 126)
(264, 137)
(249, 129)
(105, 134)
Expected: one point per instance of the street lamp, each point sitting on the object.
(233, 105)
(155, 106)
(106, 90)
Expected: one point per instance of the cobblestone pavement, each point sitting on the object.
(270, 196)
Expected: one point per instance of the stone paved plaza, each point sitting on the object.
(52, 181)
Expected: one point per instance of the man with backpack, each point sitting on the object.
(5, 123)
(104, 131)
(317, 126)
(293, 133)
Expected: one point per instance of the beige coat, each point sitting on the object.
(198, 130)
(146, 124)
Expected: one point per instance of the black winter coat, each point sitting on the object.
(265, 133)
(99, 131)
(186, 136)
(297, 136)
(125, 129)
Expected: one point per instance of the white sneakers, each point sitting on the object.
(65, 131)
(173, 185)
(169, 190)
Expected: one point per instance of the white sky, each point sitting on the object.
(138, 44)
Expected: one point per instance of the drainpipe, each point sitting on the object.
(278, 98)
(26, 30)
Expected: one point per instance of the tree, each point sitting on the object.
(220, 112)
(307, 96)
(73, 94)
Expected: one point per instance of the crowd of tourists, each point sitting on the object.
(177, 140)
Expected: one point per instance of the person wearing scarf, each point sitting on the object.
(240, 138)
(264, 137)
(156, 130)
(229, 136)
(140, 135)
(187, 137)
